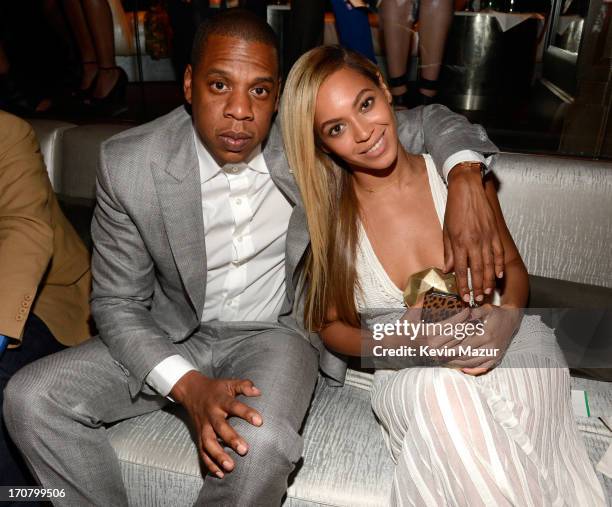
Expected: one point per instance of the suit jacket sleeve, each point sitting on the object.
(436, 130)
(26, 233)
(123, 285)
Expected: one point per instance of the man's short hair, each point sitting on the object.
(238, 23)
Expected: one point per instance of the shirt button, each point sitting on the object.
(19, 317)
(22, 311)
(234, 169)
(27, 297)
(25, 304)
(238, 201)
(239, 239)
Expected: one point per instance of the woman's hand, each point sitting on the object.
(429, 342)
(500, 326)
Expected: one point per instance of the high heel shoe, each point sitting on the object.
(427, 84)
(115, 101)
(400, 100)
(80, 94)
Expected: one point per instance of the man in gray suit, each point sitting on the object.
(198, 233)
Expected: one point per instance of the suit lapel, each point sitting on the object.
(177, 181)
(297, 232)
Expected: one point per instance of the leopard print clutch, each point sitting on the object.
(439, 306)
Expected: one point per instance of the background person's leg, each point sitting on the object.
(396, 19)
(284, 367)
(37, 342)
(80, 29)
(354, 29)
(100, 22)
(434, 19)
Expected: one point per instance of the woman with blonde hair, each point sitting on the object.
(494, 431)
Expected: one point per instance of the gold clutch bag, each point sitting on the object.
(439, 291)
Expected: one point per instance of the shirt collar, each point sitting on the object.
(209, 167)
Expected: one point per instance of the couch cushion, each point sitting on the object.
(49, 134)
(345, 459)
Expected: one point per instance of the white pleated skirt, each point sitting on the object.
(504, 438)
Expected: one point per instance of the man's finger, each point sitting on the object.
(488, 263)
(212, 447)
(460, 256)
(246, 387)
(476, 272)
(448, 252)
(498, 256)
(210, 465)
(242, 410)
(230, 436)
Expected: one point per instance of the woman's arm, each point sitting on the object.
(340, 337)
(515, 281)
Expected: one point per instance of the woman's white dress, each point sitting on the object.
(504, 438)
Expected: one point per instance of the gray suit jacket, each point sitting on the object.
(149, 260)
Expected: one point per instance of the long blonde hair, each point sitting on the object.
(326, 188)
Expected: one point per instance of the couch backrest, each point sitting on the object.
(80, 153)
(50, 134)
(558, 209)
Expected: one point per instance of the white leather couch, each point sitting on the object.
(559, 211)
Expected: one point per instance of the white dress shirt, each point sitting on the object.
(245, 222)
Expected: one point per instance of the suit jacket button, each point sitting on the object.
(25, 304)
(27, 297)
(19, 317)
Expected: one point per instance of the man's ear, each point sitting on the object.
(383, 86)
(187, 80)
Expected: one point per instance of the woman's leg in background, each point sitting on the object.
(100, 22)
(80, 29)
(435, 18)
(354, 28)
(396, 18)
